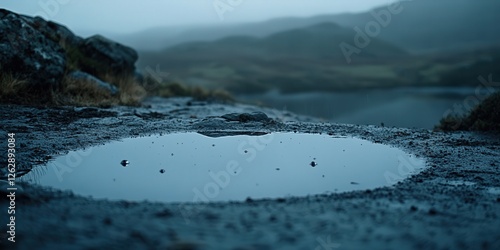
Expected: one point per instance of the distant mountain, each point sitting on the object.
(292, 60)
(424, 42)
(422, 25)
(163, 37)
(434, 25)
(317, 42)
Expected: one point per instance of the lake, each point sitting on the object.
(408, 107)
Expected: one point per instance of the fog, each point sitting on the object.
(408, 63)
(128, 16)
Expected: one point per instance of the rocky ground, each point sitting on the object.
(453, 204)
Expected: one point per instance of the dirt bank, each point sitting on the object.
(454, 204)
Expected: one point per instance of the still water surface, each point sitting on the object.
(186, 167)
(399, 107)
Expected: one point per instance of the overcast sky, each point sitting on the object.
(127, 16)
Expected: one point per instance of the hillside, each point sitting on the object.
(293, 60)
(426, 25)
(320, 41)
(422, 25)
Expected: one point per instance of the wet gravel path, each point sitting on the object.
(453, 204)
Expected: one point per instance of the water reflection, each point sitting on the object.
(194, 167)
(400, 107)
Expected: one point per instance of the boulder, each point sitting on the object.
(27, 53)
(82, 76)
(103, 56)
(41, 52)
(56, 32)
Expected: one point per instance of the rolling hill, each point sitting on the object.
(421, 26)
(292, 60)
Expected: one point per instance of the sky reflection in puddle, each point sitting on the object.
(185, 167)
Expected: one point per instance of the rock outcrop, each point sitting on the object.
(82, 76)
(43, 53)
(28, 53)
(103, 56)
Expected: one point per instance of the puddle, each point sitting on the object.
(194, 167)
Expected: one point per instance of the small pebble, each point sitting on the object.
(433, 211)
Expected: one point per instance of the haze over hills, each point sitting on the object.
(320, 41)
(421, 25)
(304, 54)
(293, 60)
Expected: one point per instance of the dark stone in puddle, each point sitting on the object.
(124, 163)
(247, 117)
(166, 213)
(272, 218)
(432, 211)
(216, 134)
(211, 216)
(107, 221)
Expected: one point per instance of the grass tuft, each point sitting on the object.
(175, 89)
(131, 92)
(17, 90)
(484, 117)
(10, 85)
(74, 92)
(81, 92)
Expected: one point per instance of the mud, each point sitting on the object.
(454, 203)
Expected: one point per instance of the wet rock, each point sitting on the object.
(107, 221)
(41, 52)
(432, 211)
(55, 32)
(165, 213)
(103, 56)
(281, 200)
(247, 117)
(82, 76)
(27, 53)
(216, 134)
